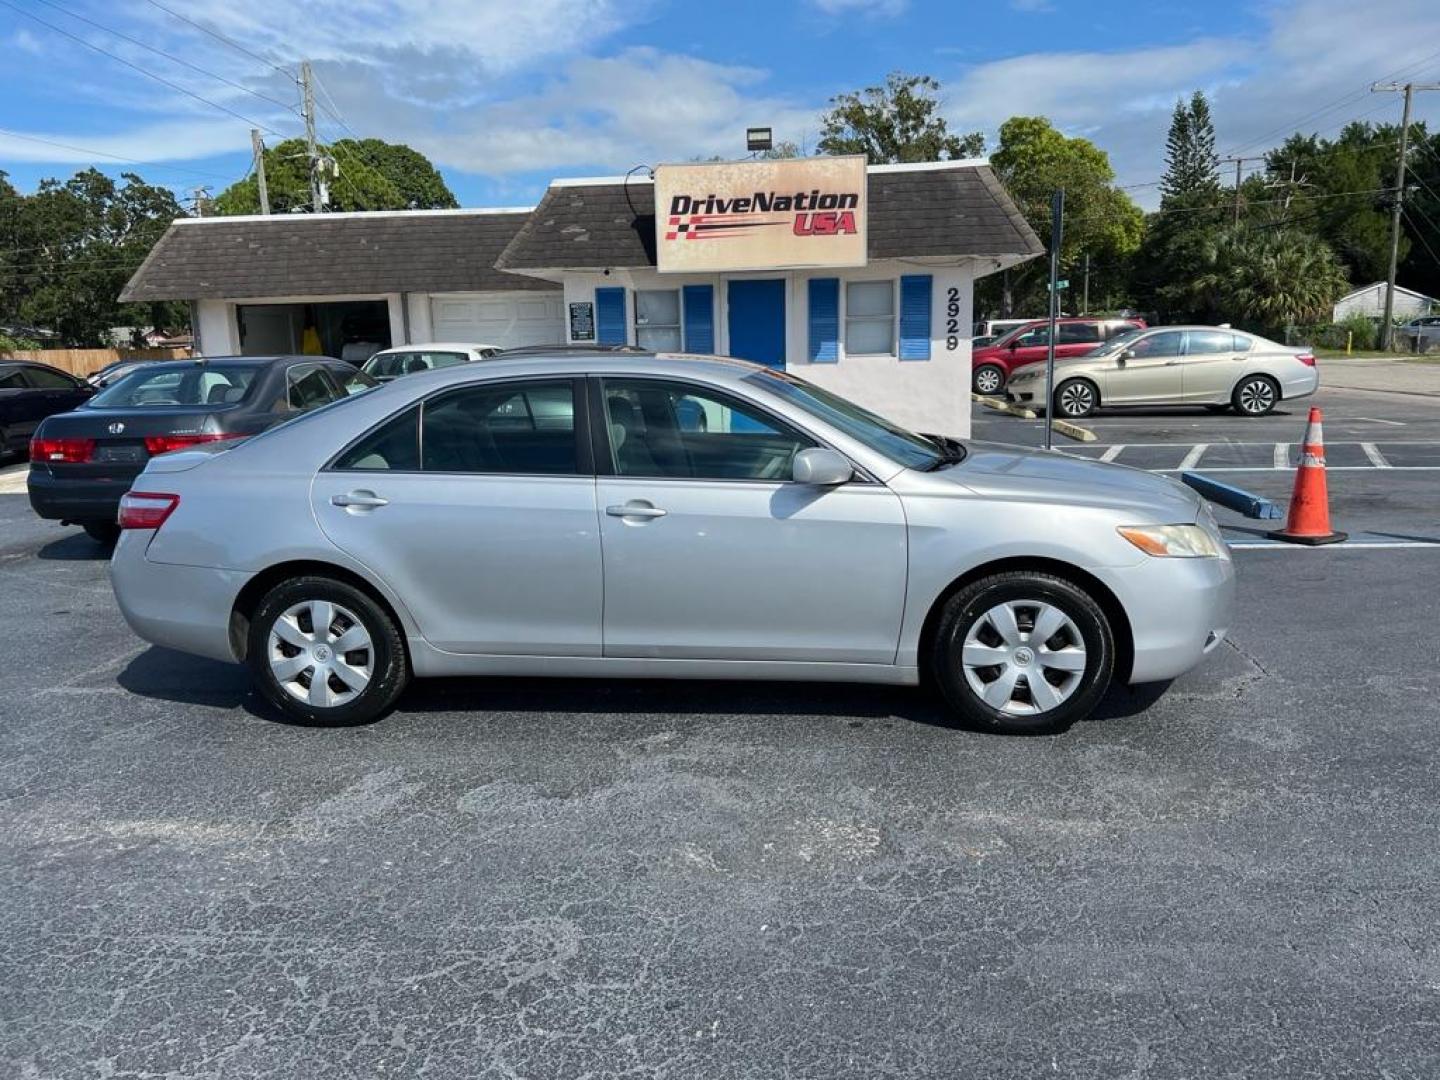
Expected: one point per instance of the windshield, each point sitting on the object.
(393, 365)
(1119, 341)
(193, 384)
(901, 446)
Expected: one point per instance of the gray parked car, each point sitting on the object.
(1213, 366)
(614, 515)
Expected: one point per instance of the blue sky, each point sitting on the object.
(505, 94)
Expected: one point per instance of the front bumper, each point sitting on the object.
(1179, 610)
(181, 607)
(80, 498)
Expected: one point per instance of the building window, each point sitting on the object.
(870, 318)
(657, 319)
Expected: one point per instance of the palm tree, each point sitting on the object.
(1268, 279)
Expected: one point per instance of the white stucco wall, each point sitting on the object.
(1371, 301)
(926, 395)
(217, 333)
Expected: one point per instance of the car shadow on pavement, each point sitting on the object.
(189, 680)
(76, 547)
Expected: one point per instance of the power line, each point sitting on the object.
(136, 67)
(168, 56)
(1421, 236)
(114, 157)
(221, 37)
(332, 108)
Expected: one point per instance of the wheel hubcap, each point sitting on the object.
(1256, 397)
(1076, 400)
(1024, 657)
(321, 653)
(988, 382)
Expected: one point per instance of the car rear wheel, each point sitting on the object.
(323, 652)
(102, 532)
(1076, 399)
(1022, 653)
(1255, 396)
(988, 379)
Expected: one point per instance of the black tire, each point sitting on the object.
(1076, 399)
(1217, 408)
(988, 380)
(390, 667)
(969, 609)
(1255, 395)
(104, 533)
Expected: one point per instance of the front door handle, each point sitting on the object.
(635, 510)
(366, 500)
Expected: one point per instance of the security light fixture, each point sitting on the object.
(757, 139)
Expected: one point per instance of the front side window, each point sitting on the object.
(869, 318)
(1165, 343)
(393, 365)
(1036, 335)
(657, 319)
(679, 431)
(308, 388)
(524, 428)
(11, 380)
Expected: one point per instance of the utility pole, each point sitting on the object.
(1057, 235)
(1387, 330)
(201, 194)
(1085, 304)
(258, 146)
(1239, 165)
(318, 194)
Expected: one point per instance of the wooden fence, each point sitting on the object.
(83, 361)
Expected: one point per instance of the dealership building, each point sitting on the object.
(857, 279)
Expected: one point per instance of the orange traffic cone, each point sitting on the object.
(1309, 520)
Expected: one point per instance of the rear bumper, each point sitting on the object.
(75, 498)
(1300, 385)
(1179, 610)
(181, 607)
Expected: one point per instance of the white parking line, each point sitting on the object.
(1328, 468)
(1190, 460)
(1373, 453)
(1280, 545)
(1282, 455)
(1113, 452)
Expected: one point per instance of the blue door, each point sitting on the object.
(757, 321)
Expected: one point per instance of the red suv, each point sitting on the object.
(991, 365)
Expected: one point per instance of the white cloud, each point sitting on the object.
(882, 8)
(179, 140)
(1032, 5)
(25, 41)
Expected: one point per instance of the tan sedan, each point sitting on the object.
(1174, 365)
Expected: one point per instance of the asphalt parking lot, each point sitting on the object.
(1237, 877)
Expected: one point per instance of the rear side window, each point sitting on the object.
(200, 384)
(308, 388)
(1208, 342)
(1078, 334)
(525, 428)
(1242, 343)
(49, 380)
(11, 380)
(394, 446)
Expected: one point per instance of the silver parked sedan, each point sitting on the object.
(590, 514)
(1212, 366)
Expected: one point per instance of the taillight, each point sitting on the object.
(1308, 359)
(145, 509)
(67, 450)
(163, 444)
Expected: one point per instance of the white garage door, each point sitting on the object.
(506, 319)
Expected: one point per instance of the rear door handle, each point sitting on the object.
(635, 510)
(364, 499)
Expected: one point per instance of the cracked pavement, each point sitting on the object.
(554, 880)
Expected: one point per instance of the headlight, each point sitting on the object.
(1173, 541)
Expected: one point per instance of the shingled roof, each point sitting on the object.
(331, 254)
(934, 209)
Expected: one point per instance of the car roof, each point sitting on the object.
(424, 346)
(572, 363)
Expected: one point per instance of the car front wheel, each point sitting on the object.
(988, 379)
(1076, 399)
(1255, 396)
(323, 652)
(1022, 653)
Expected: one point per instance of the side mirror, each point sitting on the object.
(1128, 354)
(821, 467)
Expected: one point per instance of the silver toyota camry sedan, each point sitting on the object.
(623, 515)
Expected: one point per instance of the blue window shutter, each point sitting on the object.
(610, 316)
(915, 290)
(824, 320)
(699, 319)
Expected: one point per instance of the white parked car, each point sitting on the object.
(390, 364)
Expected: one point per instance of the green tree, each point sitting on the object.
(1190, 161)
(78, 242)
(373, 175)
(895, 122)
(1267, 279)
(1033, 160)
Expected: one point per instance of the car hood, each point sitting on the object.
(1001, 471)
